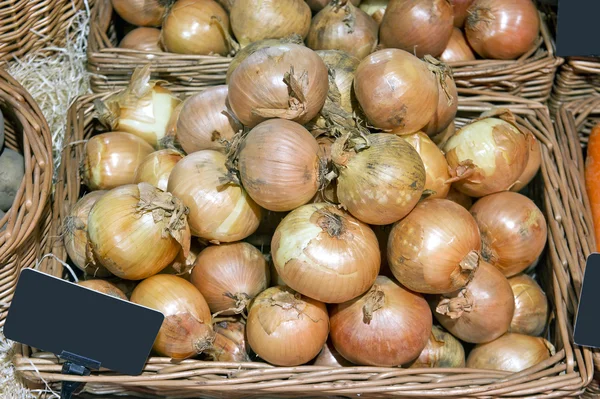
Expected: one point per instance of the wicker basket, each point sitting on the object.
(111, 67)
(565, 374)
(27, 224)
(29, 25)
(576, 80)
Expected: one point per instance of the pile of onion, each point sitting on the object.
(379, 184)
(104, 287)
(156, 168)
(480, 312)
(442, 350)
(436, 167)
(220, 209)
(434, 250)
(387, 326)
(513, 231)
(229, 276)
(285, 328)
(279, 165)
(342, 26)
(531, 306)
(286, 80)
(187, 328)
(324, 253)
(418, 26)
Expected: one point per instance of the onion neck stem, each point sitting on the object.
(455, 307)
(375, 300)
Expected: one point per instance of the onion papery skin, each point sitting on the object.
(447, 104)
(457, 49)
(219, 212)
(511, 352)
(75, 235)
(112, 158)
(436, 167)
(329, 357)
(229, 276)
(513, 231)
(191, 27)
(254, 20)
(531, 306)
(421, 27)
(324, 253)
(329, 192)
(380, 184)
(460, 8)
(434, 249)
(482, 311)
(206, 122)
(409, 103)
(442, 351)
(125, 219)
(318, 5)
(534, 164)
(285, 328)
(344, 27)
(142, 39)
(141, 12)
(258, 88)
(500, 29)
(461, 199)
(186, 330)
(279, 165)
(490, 154)
(230, 343)
(387, 326)
(104, 287)
(156, 168)
(375, 8)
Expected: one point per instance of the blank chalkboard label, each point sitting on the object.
(55, 315)
(577, 28)
(587, 323)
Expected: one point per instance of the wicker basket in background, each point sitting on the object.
(565, 374)
(31, 25)
(27, 224)
(111, 67)
(576, 80)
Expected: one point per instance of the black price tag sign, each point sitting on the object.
(587, 323)
(577, 28)
(57, 316)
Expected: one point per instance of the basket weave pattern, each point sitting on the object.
(565, 374)
(576, 80)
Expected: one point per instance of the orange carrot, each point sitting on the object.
(592, 179)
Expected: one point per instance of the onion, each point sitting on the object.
(329, 357)
(441, 138)
(104, 287)
(488, 155)
(511, 352)
(186, 330)
(396, 90)
(279, 165)
(123, 223)
(447, 102)
(230, 343)
(229, 276)
(324, 253)
(434, 249)
(460, 8)
(205, 121)
(387, 326)
(144, 108)
(418, 26)
(533, 164)
(375, 8)
(501, 29)
(342, 26)
(457, 49)
(220, 210)
(75, 235)
(142, 39)
(199, 27)
(286, 81)
(531, 306)
(141, 12)
(285, 328)
(254, 20)
(381, 183)
(156, 168)
(318, 5)
(460, 198)
(436, 167)
(480, 312)
(442, 350)
(513, 231)
(111, 159)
